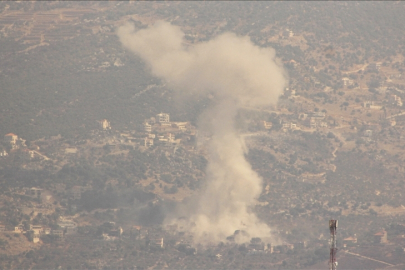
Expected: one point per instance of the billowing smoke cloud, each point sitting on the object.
(236, 73)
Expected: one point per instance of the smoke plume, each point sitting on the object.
(236, 73)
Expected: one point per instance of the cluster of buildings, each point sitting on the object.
(372, 105)
(158, 130)
(311, 120)
(161, 129)
(13, 142)
(35, 232)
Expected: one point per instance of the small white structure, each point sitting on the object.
(68, 225)
(105, 124)
(347, 82)
(288, 33)
(267, 125)
(157, 243)
(147, 127)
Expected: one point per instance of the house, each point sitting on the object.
(289, 246)
(116, 232)
(171, 229)
(143, 232)
(270, 248)
(371, 105)
(46, 230)
(35, 232)
(19, 228)
(148, 142)
(106, 237)
(300, 245)
(291, 126)
(294, 64)
(147, 127)
(105, 124)
(310, 122)
(169, 138)
(287, 33)
(11, 138)
(396, 100)
(289, 92)
(257, 246)
(267, 125)
(302, 116)
(70, 150)
(3, 153)
(374, 66)
(347, 82)
(34, 192)
(349, 240)
(163, 118)
(2, 228)
(35, 238)
(37, 229)
(27, 154)
(69, 226)
(318, 115)
(182, 126)
(76, 193)
(381, 237)
(58, 234)
(157, 243)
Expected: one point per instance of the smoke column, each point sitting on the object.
(237, 73)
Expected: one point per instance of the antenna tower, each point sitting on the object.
(333, 224)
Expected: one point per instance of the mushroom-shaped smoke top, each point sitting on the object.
(237, 73)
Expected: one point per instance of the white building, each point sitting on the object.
(396, 100)
(105, 124)
(163, 118)
(288, 33)
(148, 142)
(11, 138)
(147, 127)
(68, 225)
(267, 125)
(157, 243)
(347, 82)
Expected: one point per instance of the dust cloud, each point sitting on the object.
(236, 73)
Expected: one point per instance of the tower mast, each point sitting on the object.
(333, 224)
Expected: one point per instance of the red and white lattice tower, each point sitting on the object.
(333, 224)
